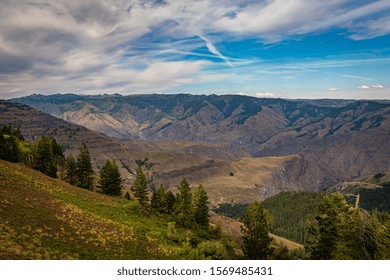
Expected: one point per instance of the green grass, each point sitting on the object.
(45, 218)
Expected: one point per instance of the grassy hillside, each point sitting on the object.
(45, 218)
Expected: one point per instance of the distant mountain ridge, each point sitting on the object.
(350, 136)
(227, 172)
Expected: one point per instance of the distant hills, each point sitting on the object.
(346, 138)
(227, 172)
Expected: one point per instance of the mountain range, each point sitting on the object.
(240, 147)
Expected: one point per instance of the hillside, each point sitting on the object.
(348, 137)
(227, 172)
(45, 218)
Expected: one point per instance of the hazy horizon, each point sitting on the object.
(297, 49)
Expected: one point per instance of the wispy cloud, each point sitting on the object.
(274, 20)
(148, 45)
(214, 50)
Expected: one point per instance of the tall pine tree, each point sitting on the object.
(140, 187)
(256, 241)
(110, 180)
(71, 170)
(183, 205)
(45, 161)
(200, 208)
(170, 201)
(160, 200)
(84, 168)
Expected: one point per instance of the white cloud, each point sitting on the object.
(333, 89)
(363, 87)
(377, 86)
(126, 45)
(274, 20)
(264, 94)
(370, 29)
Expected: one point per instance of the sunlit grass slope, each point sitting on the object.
(45, 218)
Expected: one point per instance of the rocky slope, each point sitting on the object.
(344, 135)
(227, 172)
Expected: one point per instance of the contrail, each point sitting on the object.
(214, 50)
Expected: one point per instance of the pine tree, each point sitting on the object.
(256, 241)
(110, 180)
(84, 168)
(159, 200)
(344, 232)
(140, 187)
(9, 149)
(71, 170)
(183, 205)
(153, 201)
(327, 232)
(45, 161)
(200, 208)
(170, 201)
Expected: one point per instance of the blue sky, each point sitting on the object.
(279, 48)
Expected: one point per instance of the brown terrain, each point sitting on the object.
(240, 148)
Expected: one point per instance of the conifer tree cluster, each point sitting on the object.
(45, 156)
(79, 172)
(48, 156)
(189, 209)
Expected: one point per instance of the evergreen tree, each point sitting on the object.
(200, 208)
(183, 205)
(59, 157)
(110, 180)
(45, 161)
(327, 232)
(256, 241)
(140, 187)
(159, 200)
(153, 201)
(344, 232)
(170, 201)
(84, 168)
(9, 149)
(71, 170)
